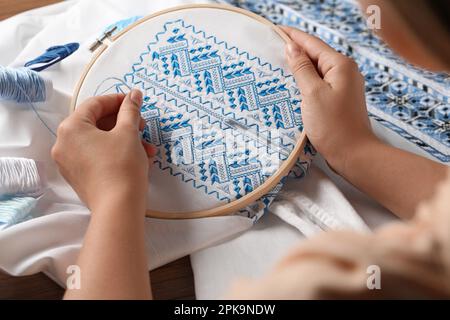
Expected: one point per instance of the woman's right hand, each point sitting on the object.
(333, 108)
(335, 119)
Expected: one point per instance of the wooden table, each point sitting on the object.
(10, 7)
(172, 281)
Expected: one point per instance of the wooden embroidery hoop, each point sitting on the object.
(264, 188)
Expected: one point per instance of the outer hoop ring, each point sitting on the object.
(263, 189)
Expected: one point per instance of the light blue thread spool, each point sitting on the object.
(23, 85)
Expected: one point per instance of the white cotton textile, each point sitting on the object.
(51, 242)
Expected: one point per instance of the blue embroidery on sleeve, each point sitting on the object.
(410, 101)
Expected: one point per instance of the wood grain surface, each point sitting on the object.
(172, 281)
(11, 7)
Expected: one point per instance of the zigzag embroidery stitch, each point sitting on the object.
(223, 120)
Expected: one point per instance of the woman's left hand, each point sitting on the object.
(99, 150)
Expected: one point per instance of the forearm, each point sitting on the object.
(397, 179)
(113, 260)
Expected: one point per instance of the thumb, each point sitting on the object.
(129, 112)
(304, 71)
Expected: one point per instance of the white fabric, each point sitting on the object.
(314, 204)
(249, 255)
(254, 252)
(51, 242)
(258, 249)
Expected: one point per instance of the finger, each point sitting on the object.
(142, 124)
(150, 149)
(129, 112)
(96, 108)
(312, 45)
(320, 53)
(304, 71)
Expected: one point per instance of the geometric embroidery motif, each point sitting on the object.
(222, 119)
(410, 101)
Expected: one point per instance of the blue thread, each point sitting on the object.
(194, 158)
(155, 55)
(15, 210)
(198, 82)
(21, 85)
(213, 172)
(24, 86)
(53, 55)
(210, 62)
(208, 82)
(242, 99)
(122, 24)
(176, 38)
(175, 65)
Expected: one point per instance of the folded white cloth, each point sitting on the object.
(255, 251)
(314, 204)
(248, 255)
(310, 205)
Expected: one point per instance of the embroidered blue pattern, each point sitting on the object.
(412, 102)
(223, 120)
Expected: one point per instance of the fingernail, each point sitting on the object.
(136, 97)
(293, 50)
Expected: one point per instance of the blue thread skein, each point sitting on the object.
(23, 85)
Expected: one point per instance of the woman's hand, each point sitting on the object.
(335, 119)
(100, 153)
(99, 150)
(333, 108)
